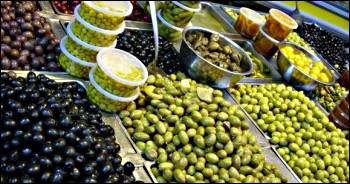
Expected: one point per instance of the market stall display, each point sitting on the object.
(315, 149)
(194, 134)
(107, 120)
(27, 41)
(52, 133)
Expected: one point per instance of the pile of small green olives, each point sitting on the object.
(100, 19)
(295, 38)
(194, 135)
(113, 86)
(91, 36)
(312, 146)
(73, 68)
(80, 51)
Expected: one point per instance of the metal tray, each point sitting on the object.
(45, 6)
(272, 156)
(209, 10)
(128, 151)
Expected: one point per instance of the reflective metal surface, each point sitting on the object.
(206, 72)
(296, 77)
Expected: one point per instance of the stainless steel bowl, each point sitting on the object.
(206, 72)
(296, 77)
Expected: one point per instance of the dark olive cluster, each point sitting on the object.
(138, 14)
(141, 45)
(50, 132)
(66, 7)
(329, 46)
(27, 40)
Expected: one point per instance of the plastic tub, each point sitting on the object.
(103, 16)
(94, 35)
(73, 65)
(120, 61)
(115, 88)
(167, 30)
(191, 4)
(178, 14)
(265, 44)
(105, 100)
(278, 24)
(249, 22)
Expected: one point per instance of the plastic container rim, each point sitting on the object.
(120, 29)
(106, 93)
(105, 10)
(188, 8)
(107, 71)
(71, 57)
(87, 45)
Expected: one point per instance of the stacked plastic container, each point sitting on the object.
(276, 29)
(115, 80)
(96, 26)
(89, 52)
(174, 16)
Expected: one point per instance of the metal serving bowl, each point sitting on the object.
(296, 77)
(206, 72)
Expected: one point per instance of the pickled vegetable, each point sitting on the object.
(167, 30)
(80, 51)
(175, 14)
(328, 96)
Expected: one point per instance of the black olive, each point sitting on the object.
(47, 148)
(57, 159)
(38, 138)
(45, 162)
(46, 176)
(57, 178)
(33, 169)
(129, 167)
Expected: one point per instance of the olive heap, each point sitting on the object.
(141, 45)
(27, 41)
(329, 46)
(311, 145)
(209, 47)
(194, 134)
(52, 133)
(328, 96)
(66, 7)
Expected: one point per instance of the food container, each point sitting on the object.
(204, 71)
(265, 44)
(249, 22)
(105, 100)
(94, 35)
(296, 77)
(105, 76)
(178, 14)
(73, 65)
(81, 49)
(105, 14)
(278, 24)
(168, 31)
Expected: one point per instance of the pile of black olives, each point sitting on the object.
(329, 46)
(141, 45)
(50, 132)
(27, 40)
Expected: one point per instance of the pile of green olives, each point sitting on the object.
(313, 147)
(194, 135)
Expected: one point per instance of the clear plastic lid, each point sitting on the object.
(97, 29)
(80, 42)
(252, 15)
(71, 57)
(115, 8)
(188, 8)
(283, 18)
(111, 59)
(106, 93)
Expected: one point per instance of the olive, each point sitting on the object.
(129, 167)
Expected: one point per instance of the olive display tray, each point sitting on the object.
(128, 151)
